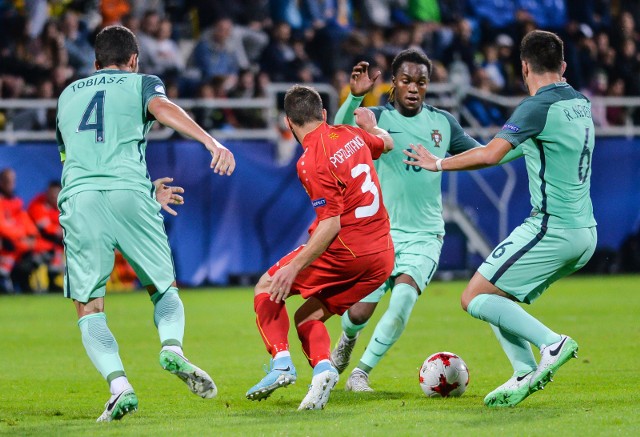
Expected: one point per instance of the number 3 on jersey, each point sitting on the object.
(367, 186)
(93, 117)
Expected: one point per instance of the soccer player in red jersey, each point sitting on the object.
(349, 252)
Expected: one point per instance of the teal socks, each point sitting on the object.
(168, 315)
(390, 326)
(101, 346)
(511, 318)
(518, 351)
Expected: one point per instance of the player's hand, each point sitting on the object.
(421, 157)
(166, 195)
(222, 160)
(365, 118)
(281, 282)
(360, 82)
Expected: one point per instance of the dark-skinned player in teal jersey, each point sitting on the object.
(414, 201)
(108, 202)
(554, 130)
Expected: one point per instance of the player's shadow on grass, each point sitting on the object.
(339, 395)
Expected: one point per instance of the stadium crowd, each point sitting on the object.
(220, 49)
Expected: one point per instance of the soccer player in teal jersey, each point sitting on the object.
(107, 202)
(413, 198)
(554, 130)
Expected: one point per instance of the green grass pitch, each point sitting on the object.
(48, 386)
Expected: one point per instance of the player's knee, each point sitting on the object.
(464, 300)
(262, 285)
(359, 314)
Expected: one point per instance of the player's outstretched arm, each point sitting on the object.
(323, 235)
(360, 83)
(166, 195)
(366, 119)
(170, 114)
(479, 157)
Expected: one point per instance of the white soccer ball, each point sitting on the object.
(444, 374)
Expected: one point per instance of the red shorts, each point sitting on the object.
(339, 282)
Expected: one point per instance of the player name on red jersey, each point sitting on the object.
(346, 151)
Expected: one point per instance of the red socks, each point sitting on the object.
(316, 343)
(273, 323)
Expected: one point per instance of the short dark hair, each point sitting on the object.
(411, 55)
(543, 51)
(302, 105)
(115, 45)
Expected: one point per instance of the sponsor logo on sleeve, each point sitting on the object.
(511, 127)
(319, 202)
(159, 89)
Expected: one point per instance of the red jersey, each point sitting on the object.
(337, 171)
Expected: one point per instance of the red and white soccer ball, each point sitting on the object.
(444, 374)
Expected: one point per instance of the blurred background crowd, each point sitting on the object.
(221, 49)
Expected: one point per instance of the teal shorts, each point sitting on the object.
(529, 260)
(418, 259)
(97, 222)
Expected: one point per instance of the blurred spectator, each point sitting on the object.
(18, 238)
(163, 53)
(149, 27)
(595, 13)
(224, 50)
(616, 115)
(581, 55)
(213, 118)
(43, 210)
(493, 16)
(628, 67)
(493, 67)
(547, 14)
(37, 118)
(38, 14)
(76, 41)
(598, 87)
(462, 47)
(213, 55)
(112, 11)
(485, 112)
(250, 87)
(279, 54)
(508, 59)
(298, 14)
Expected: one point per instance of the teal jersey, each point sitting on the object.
(555, 131)
(101, 125)
(413, 196)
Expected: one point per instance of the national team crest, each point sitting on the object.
(436, 136)
(333, 136)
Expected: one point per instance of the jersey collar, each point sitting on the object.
(551, 86)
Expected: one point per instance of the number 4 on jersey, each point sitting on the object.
(93, 117)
